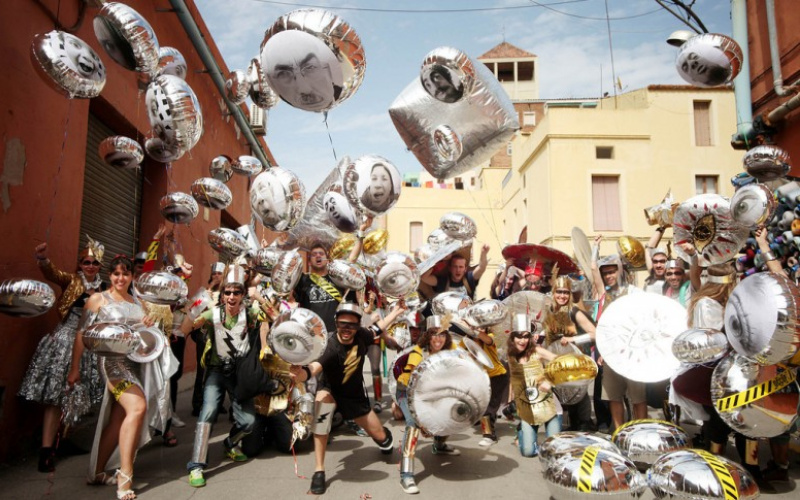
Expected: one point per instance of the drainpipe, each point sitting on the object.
(741, 84)
(190, 26)
(781, 111)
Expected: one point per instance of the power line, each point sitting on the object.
(424, 11)
(632, 16)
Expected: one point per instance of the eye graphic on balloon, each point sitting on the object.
(395, 277)
(460, 406)
(291, 342)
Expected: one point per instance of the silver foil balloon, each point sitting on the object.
(298, 336)
(161, 287)
(127, 38)
(761, 318)
(438, 238)
(483, 117)
(220, 168)
(249, 235)
(706, 222)
(475, 352)
(593, 472)
(286, 272)
(709, 60)
(211, 193)
(753, 205)
(179, 208)
(448, 143)
(372, 184)
(340, 213)
(25, 298)
(151, 344)
(458, 226)
(397, 275)
(567, 394)
(260, 92)
(265, 259)
(330, 77)
(228, 243)
(566, 442)
(237, 86)
(767, 162)
(346, 275)
(451, 302)
(485, 313)
(757, 401)
(174, 112)
(68, 64)
(448, 392)
(643, 441)
(277, 199)
(171, 62)
(441, 252)
(160, 150)
(247, 165)
(111, 339)
(423, 253)
(120, 152)
(700, 345)
(700, 474)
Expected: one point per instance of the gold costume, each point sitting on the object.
(70, 283)
(533, 406)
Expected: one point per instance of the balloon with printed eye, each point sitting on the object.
(372, 184)
(220, 168)
(753, 205)
(179, 208)
(397, 276)
(340, 213)
(709, 60)
(68, 64)
(277, 199)
(171, 62)
(160, 150)
(127, 38)
(174, 112)
(121, 152)
(237, 86)
(312, 59)
(298, 336)
(25, 298)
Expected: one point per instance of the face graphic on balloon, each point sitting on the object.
(78, 56)
(339, 212)
(115, 45)
(702, 69)
(266, 200)
(379, 194)
(439, 84)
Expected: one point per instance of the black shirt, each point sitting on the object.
(316, 299)
(343, 365)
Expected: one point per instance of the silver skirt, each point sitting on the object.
(117, 369)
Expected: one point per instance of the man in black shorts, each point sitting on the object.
(342, 383)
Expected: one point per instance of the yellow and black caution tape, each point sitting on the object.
(722, 473)
(586, 468)
(641, 421)
(757, 392)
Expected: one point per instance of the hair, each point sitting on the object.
(121, 260)
(513, 352)
(425, 339)
(716, 291)
(457, 257)
(444, 73)
(319, 244)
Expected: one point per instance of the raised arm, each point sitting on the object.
(653, 243)
(359, 244)
(772, 262)
(478, 272)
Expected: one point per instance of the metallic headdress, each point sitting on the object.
(93, 249)
(349, 307)
(235, 276)
(521, 323)
(217, 267)
(563, 282)
(675, 264)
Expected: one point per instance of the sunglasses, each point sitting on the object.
(522, 335)
(659, 261)
(346, 325)
(90, 263)
(562, 292)
(678, 273)
(235, 293)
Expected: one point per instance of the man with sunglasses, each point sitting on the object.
(678, 286)
(341, 383)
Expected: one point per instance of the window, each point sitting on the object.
(604, 152)
(472, 181)
(414, 235)
(509, 148)
(529, 119)
(702, 123)
(605, 203)
(490, 66)
(525, 71)
(705, 184)
(505, 71)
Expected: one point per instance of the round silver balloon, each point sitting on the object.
(286, 272)
(757, 401)
(228, 243)
(68, 64)
(174, 112)
(111, 339)
(767, 162)
(485, 313)
(161, 287)
(340, 213)
(179, 208)
(372, 184)
(220, 168)
(298, 336)
(458, 226)
(247, 165)
(396, 275)
(237, 86)
(450, 302)
(438, 238)
(313, 59)
(249, 234)
(24, 298)
(151, 344)
(448, 392)
(753, 205)
(566, 442)
(762, 318)
(700, 474)
(127, 38)
(706, 222)
(447, 74)
(120, 152)
(700, 345)
(260, 92)
(265, 259)
(709, 60)
(447, 143)
(160, 150)
(211, 193)
(171, 62)
(277, 199)
(593, 472)
(643, 441)
(346, 275)
(476, 352)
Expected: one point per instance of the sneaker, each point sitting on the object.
(408, 484)
(177, 423)
(377, 408)
(234, 452)
(444, 449)
(355, 428)
(317, 483)
(487, 441)
(774, 472)
(196, 478)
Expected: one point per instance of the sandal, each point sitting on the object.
(126, 494)
(170, 440)
(101, 478)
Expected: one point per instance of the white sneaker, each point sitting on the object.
(486, 442)
(178, 423)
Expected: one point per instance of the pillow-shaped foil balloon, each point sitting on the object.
(700, 345)
(179, 208)
(127, 37)
(643, 441)
(567, 442)
(700, 474)
(111, 339)
(767, 162)
(171, 62)
(298, 336)
(375, 241)
(211, 193)
(709, 60)
(340, 213)
(312, 59)
(593, 472)
(458, 226)
(68, 64)
(260, 92)
(277, 199)
(397, 275)
(174, 112)
(120, 152)
(706, 222)
(161, 287)
(372, 184)
(237, 86)
(220, 168)
(455, 115)
(286, 272)
(25, 298)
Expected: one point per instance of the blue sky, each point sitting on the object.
(571, 51)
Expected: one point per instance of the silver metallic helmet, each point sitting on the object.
(349, 307)
(521, 323)
(235, 276)
(217, 267)
(433, 322)
(140, 256)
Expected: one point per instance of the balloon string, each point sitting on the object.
(492, 225)
(58, 174)
(325, 114)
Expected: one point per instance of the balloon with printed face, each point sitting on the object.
(160, 150)
(340, 213)
(709, 60)
(277, 199)
(174, 112)
(171, 62)
(127, 38)
(372, 184)
(68, 64)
